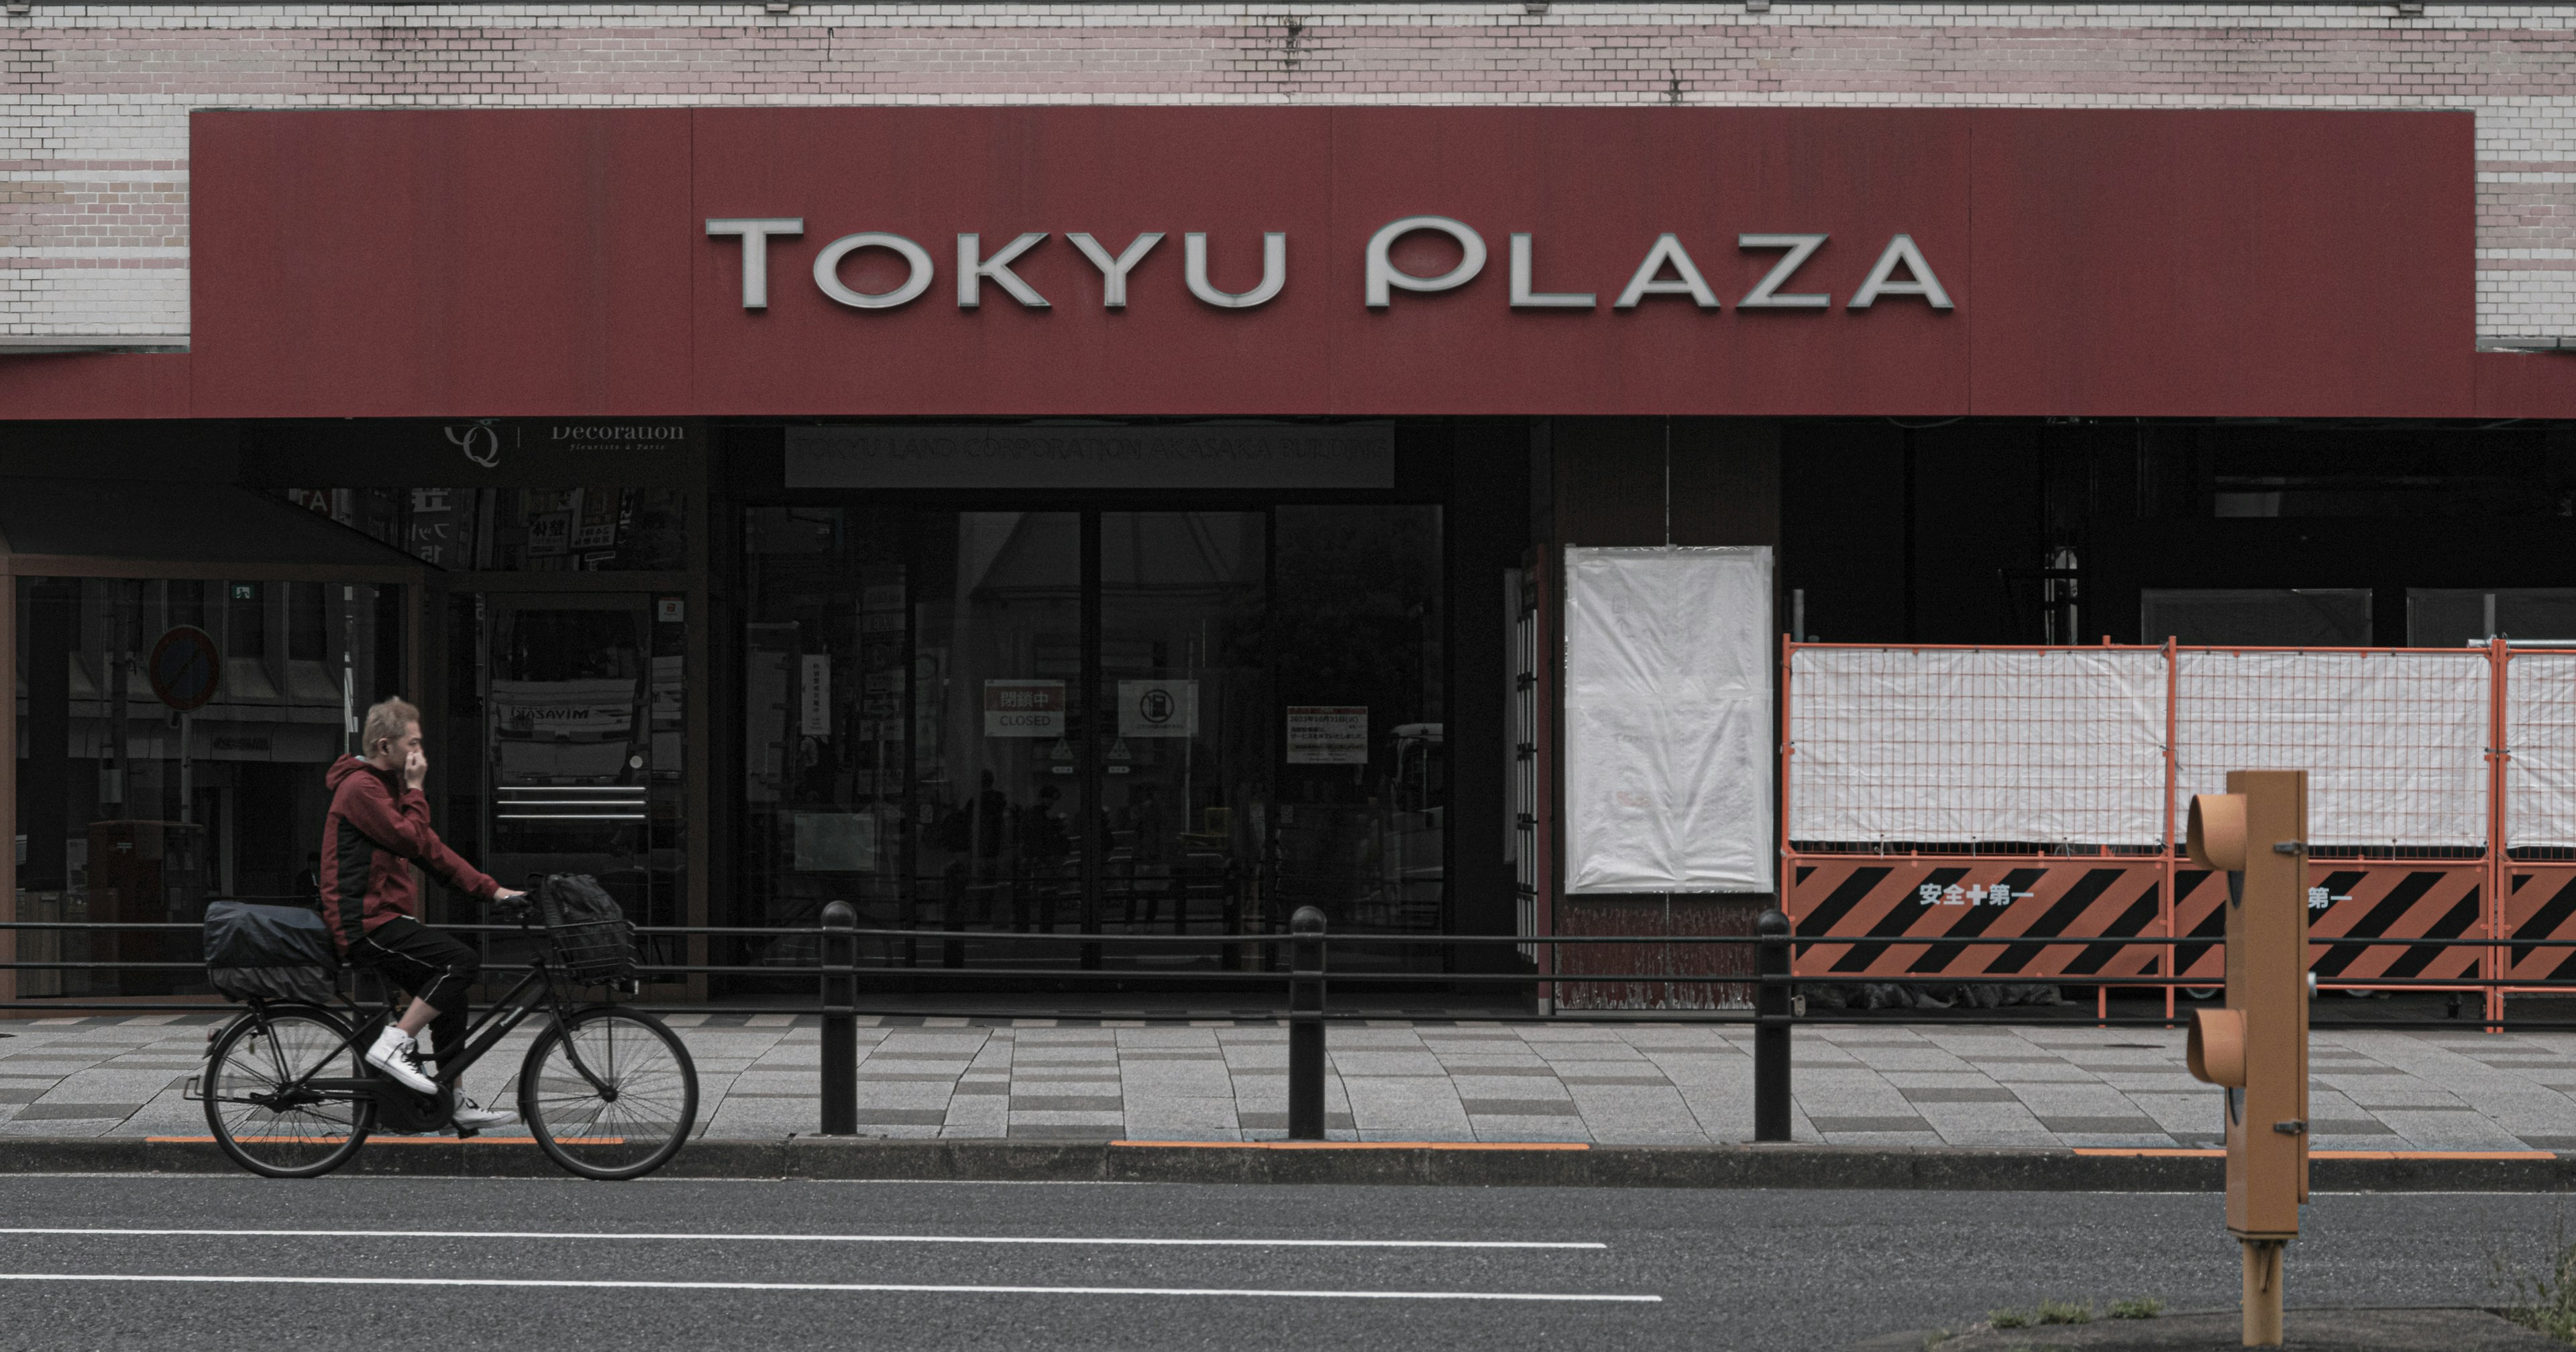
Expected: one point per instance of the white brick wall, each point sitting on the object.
(93, 104)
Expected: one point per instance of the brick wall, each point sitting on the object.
(93, 131)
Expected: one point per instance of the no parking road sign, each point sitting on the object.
(185, 668)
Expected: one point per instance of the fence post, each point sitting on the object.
(840, 963)
(1771, 1029)
(1306, 1026)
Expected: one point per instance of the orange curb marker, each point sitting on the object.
(2146, 1153)
(1363, 1145)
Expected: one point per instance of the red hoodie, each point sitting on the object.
(376, 831)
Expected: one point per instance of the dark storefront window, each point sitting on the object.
(133, 808)
(517, 530)
(1173, 722)
(563, 747)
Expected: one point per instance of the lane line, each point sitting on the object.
(197, 1279)
(1143, 1241)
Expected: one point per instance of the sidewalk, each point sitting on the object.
(1609, 1084)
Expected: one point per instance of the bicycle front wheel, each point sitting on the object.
(260, 1118)
(610, 1093)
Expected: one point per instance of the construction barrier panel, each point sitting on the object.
(2035, 795)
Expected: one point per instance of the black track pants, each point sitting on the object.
(428, 964)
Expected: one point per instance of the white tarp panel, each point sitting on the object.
(1960, 746)
(2540, 732)
(2394, 743)
(1668, 723)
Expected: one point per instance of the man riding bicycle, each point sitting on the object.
(378, 828)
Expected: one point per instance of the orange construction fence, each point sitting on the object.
(2035, 795)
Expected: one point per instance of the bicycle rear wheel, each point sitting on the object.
(261, 1126)
(629, 1114)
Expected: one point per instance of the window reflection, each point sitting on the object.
(1249, 722)
(134, 807)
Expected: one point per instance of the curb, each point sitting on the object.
(1896, 1168)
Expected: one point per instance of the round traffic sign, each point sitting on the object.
(185, 668)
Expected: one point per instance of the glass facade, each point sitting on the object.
(517, 530)
(1100, 721)
(565, 746)
(172, 736)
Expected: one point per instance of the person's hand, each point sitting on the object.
(415, 768)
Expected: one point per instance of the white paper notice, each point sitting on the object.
(814, 701)
(1158, 708)
(1328, 734)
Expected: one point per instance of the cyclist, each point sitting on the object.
(377, 829)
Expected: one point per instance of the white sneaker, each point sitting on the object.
(399, 1057)
(472, 1116)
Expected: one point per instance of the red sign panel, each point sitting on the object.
(560, 262)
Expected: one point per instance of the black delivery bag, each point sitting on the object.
(272, 952)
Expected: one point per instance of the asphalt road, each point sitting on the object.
(684, 1264)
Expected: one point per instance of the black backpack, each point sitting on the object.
(590, 930)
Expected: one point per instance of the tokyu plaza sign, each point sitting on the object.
(1665, 268)
(641, 266)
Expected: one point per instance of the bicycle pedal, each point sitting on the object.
(468, 1133)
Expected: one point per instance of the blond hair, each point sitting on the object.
(388, 720)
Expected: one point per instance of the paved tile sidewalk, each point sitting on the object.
(1444, 1081)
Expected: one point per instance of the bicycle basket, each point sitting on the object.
(592, 938)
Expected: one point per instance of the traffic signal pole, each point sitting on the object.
(2256, 1049)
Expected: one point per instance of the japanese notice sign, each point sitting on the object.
(814, 690)
(1024, 708)
(1328, 734)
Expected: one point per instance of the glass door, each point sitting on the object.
(577, 764)
(1184, 726)
(997, 621)
(1090, 722)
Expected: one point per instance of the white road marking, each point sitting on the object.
(911, 1287)
(818, 1239)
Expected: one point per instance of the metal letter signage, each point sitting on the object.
(1523, 298)
(827, 270)
(1383, 274)
(1666, 270)
(1920, 281)
(1113, 271)
(972, 273)
(1274, 271)
(1649, 279)
(755, 233)
(1765, 294)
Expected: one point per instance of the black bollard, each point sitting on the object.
(840, 962)
(1771, 1029)
(1306, 1026)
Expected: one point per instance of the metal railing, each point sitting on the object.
(1302, 982)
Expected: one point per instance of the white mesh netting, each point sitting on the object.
(2394, 743)
(2033, 746)
(2540, 732)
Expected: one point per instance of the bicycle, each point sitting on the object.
(607, 1092)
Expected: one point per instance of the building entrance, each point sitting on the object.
(1094, 722)
(572, 754)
